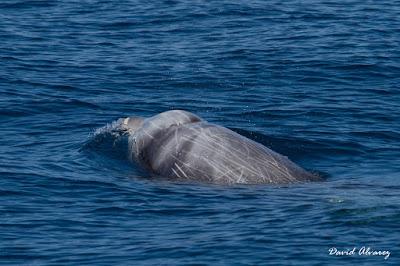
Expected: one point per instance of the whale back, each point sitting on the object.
(219, 155)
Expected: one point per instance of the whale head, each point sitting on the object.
(132, 123)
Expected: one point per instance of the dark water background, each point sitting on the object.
(318, 81)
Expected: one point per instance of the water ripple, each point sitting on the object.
(316, 81)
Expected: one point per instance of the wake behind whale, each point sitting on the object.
(180, 145)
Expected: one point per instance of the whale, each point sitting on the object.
(180, 145)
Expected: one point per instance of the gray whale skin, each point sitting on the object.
(178, 144)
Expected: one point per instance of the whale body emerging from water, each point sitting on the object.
(178, 144)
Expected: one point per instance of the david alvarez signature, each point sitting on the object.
(363, 251)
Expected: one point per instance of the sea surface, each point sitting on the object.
(317, 81)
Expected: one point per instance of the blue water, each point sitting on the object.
(318, 81)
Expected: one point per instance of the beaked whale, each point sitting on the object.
(178, 144)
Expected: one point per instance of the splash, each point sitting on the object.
(110, 140)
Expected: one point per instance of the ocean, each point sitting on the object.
(317, 81)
